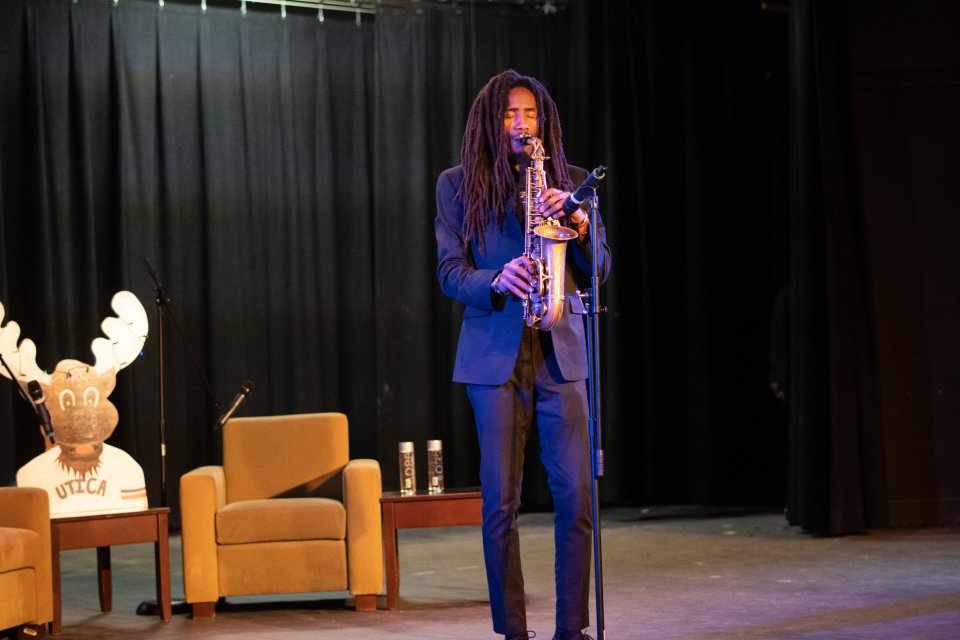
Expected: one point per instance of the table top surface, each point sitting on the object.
(461, 493)
(152, 511)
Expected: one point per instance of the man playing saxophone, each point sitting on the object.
(517, 372)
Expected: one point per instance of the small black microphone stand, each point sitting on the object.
(594, 309)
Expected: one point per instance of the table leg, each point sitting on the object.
(162, 554)
(104, 580)
(55, 574)
(391, 561)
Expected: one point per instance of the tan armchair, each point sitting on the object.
(26, 586)
(288, 512)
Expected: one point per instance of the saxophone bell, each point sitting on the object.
(554, 233)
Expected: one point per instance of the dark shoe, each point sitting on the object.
(526, 635)
(571, 635)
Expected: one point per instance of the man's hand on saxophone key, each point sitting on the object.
(517, 277)
(551, 203)
(551, 206)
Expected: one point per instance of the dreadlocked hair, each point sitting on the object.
(489, 181)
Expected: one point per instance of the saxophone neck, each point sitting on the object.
(537, 153)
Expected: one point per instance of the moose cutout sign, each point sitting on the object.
(81, 473)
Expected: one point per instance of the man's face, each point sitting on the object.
(520, 118)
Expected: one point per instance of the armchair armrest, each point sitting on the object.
(29, 508)
(202, 491)
(362, 488)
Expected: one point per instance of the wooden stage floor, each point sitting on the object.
(669, 573)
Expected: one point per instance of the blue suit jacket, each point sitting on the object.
(492, 324)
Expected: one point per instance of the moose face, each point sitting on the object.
(81, 412)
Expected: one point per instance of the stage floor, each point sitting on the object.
(668, 573)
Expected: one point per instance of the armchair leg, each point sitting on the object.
(204, 610)
(366, 603)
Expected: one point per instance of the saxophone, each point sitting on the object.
(545, 242)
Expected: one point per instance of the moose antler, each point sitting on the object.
(22, 360)
(126, 332)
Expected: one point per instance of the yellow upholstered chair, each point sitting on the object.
(287, 512)
(26, 587)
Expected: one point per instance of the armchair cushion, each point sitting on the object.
(280, 520)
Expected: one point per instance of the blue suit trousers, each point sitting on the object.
(535, 392)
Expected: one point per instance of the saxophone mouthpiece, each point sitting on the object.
(529, 139)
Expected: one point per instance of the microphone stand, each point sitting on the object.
(16, 381)
(594, 309)
(151, 607)
(162, 301)
(26, 396)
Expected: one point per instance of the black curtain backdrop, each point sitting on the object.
(279, 174)
(873, 155)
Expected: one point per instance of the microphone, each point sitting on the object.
(245, 389)
(40, 403)
(584, 191)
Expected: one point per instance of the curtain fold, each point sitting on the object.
(837, 458)
(402, 221)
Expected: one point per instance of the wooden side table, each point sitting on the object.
(102, 531)
(454, 507)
